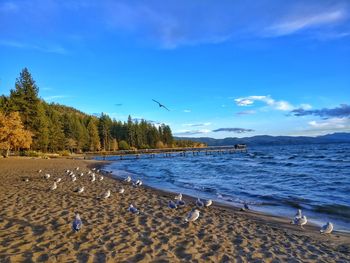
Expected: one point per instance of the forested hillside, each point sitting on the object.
(56, 127)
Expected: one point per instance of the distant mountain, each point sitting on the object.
(272, 140)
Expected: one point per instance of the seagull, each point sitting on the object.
(192, 216)
(59, 179)
(327, 228)
(47, 176)
(82, 174)
(121, 190)
(172, 205)
(39, 171)
(77, 168)
(25, 179)
(199, 203)
(101, 178)
(245, 207)
(93, 169)
(77, 223)
(160, 105)
(54, 186)
(128, 179)
(74, 179)
(89, 172)
(107, 194)
(300, 221)
(138, 183)
(79, 190)
(67, 171)
(180, 203)
(297, 217)
(208, 203)
(133, 209)
(93, 178)
(178, 197)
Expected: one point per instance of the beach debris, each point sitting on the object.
(327, 228)
(178, 197)
(54, 186)
(77, 223)
(133, 209)
(59, 179)
(47, 176)
(107, 194)
(128, 179)
(208, 203)
(192, 216)
(121, 190)
(172, 204)
(101, 178)
(199, 203)
(79, 190)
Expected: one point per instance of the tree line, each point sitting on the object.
(54, 127)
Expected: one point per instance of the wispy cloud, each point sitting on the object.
(332, 124)
(235, 130)
(187, 111)
(54, 97)
(342, 111)
(197, 124)
(57, 49)
(276, 104)
(301, 21)
(193, 132)
(246, 112)
(149, 121)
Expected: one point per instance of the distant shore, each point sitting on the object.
(35, 223)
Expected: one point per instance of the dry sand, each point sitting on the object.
(35, 224)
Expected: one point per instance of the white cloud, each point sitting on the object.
(191, 132)
(331, 124)
(297, 23)
(187, 111)
(50, 98)
(53, 48)
(278, 105)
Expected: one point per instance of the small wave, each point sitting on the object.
(339, 210)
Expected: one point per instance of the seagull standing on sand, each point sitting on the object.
(138, 183)
(327, 228)
(82, 174)
(133, 209)
(208, 203)
(93, 178)
(80, 190)
(297, 217)
(192, 216)
(199, 203)
(47, 176)
(39, 171)
(59, 179)
(178, 197)
(161, 105)
(74, 179)
(101, 178)
(107, 194)
(301, 221)
(172, 205)
(77, 223)
(121, 190)
(128, 179)
(54, 186)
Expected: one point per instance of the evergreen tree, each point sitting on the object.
(94, 139)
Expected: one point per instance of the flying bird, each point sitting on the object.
(77, 223)
(160, 105)
(327, 228)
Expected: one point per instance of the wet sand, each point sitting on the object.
(35, 224)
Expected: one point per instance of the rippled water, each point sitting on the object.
(274, 179)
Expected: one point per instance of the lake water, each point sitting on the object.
(274, 179)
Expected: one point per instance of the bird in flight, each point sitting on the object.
(161, 105)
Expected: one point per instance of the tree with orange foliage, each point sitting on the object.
(13, 136)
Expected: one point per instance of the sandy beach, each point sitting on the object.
(35, 224)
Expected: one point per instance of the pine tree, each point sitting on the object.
(94, 139)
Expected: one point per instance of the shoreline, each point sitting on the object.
(35, 224)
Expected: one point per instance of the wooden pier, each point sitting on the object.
(169, 152)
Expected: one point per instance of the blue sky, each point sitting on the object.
(234, 69)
